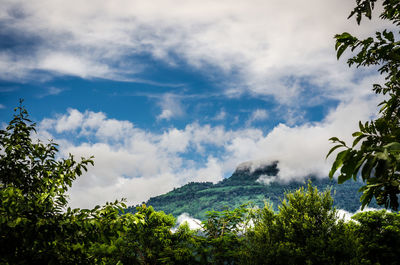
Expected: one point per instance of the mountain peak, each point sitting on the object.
(257, 166)
(252, 170)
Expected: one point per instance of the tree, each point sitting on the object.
(224, 231)
(306, 230)
(36, 225)
(375, 151)
(378, 233)
(152, 241)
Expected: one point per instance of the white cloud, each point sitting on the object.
(2, 106)
(346, 216)
(192, 222)
(266, 180)
(51, 91)
(114, 129)
(129, 162)
(301, 150)
(212, 171)
(54, 90)
(174, 140)
(220, 115)
(274, 47)
(69, 122)
(165, 114)
(257, 115)
(70, 64)
(171, 107)
(294, 116)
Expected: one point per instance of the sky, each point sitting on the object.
(165, 92)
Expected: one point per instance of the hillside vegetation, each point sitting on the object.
(196, 198)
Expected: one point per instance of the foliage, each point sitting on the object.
(152, 240)
(378, 233)
(377, 160)
(223, 231)
(306, 230)
(36, 225)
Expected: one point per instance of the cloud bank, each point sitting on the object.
(133, 163)
(273, 48)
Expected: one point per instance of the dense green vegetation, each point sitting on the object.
(242, 187)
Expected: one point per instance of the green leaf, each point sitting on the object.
(358, 166)
(368, 166)
(355, 134)
(388, 35)
(342, 178)
(393, 146)
(358, 139)
(382, 155)
(343, 36)
(333, 149)
(338, 162)
(335, 139)
(340, 51)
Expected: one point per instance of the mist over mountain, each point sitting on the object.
(252, 182)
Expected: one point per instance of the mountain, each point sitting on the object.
(247, 185)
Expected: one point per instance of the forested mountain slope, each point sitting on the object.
(196, 198)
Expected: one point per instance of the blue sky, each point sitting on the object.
(167, 92)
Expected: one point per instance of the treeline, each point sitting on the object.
(305, 230)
